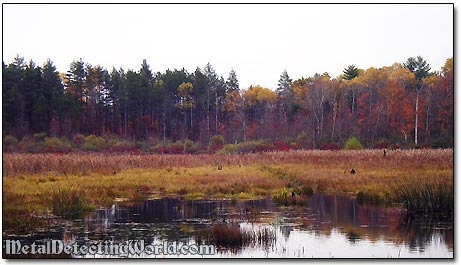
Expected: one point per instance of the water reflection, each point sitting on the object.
(420, 231)
(328, 226)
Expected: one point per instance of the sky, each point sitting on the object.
(257, 41)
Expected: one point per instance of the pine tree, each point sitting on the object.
(284, 88)
(420, 69)
(350, 72)
(232, 83)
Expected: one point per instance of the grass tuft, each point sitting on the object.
(232, 236)
(426, 195)
(68, 203)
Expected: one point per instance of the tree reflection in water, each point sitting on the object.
(322, 217)
(418, 231)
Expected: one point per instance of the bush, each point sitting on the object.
(123, 146)
(383, 144)
(53, 144)
(193, 148)
(167, 149)
(93, 143)
(302, 140)
(79, 139)
(9, 143)
(248, 147)
(216, 143)
(39, 137)
(353, 144)
(27, 144)
(283, 146)
(442, 142)
(330, 147)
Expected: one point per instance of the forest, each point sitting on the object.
(403, 105)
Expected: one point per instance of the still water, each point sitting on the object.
(327, 226)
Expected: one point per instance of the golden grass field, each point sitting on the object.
(30, 180)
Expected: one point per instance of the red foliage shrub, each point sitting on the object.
(330, 147)
(283, 146)
(168, 150)
(382, 145)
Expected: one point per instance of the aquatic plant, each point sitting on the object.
(373, 198)
(426, 195)
(232, 236)
(68, 203)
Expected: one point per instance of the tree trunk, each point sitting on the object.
(216, 114)
(125, 121)
(244, 123)
(334, 122)
(428, 111)
(416, 117)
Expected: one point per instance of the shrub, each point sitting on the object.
(9, 143)
(123, 146)
(142, 145)
(281, 197)
(193, 148)
(302, 139)
(167, 149)
(53, 144)
(93, 143)
(307, 190)
(79, 139)
(442, 142)
(248, 147)
(216, 143)
(39, 137)
(353, 144)
(330, 147)
(27, 144)
(283, 146)
(383, 144)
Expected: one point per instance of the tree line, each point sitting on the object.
(405, 103)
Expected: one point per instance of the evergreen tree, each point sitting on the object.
(12, 98)
(421, 69)
(54, 92)
(350, 72)
(284, 85)
(418, 66)
(232, 83)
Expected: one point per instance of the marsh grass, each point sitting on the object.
(69, 203)
(232, 236)
(30, 180)
(426, 195)
(374, 198)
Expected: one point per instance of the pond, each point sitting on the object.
(326, 226)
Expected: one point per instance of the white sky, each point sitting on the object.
(258, 41)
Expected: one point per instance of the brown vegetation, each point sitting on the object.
(30, 180)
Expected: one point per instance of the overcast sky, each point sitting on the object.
(257, 41)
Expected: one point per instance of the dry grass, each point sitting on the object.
(232, 236)
(29, 180)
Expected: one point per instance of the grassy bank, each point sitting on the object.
(32, 183)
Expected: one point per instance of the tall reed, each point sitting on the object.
(232, 236)
(68, 203)
(426, 195)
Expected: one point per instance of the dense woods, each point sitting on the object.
(404, 104)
